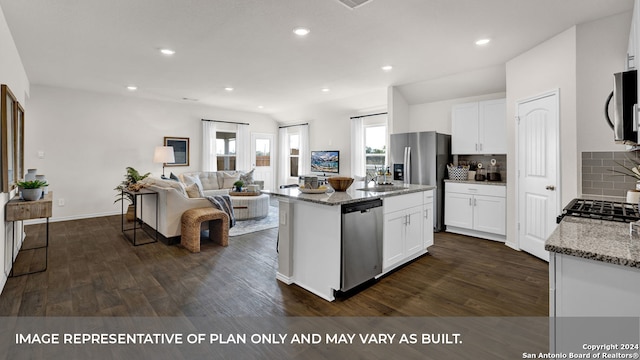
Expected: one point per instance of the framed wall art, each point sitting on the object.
(180, 150)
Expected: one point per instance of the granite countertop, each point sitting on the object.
(499, 183)
(606, 241)
(352, 195)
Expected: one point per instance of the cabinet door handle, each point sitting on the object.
(475, 201)
(480, 146)
(476, 147)
(409, 217)
(470, 202)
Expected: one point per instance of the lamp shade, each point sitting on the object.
(163, 154)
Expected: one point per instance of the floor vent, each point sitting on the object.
(352, 4)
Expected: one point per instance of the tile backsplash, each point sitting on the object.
(598, 177)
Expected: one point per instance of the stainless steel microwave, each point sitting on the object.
(625, 108)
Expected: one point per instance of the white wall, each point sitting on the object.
(550, 65)
(436, 116)
(601, 49)
(12, 73)
(90, 138)
(398, 111)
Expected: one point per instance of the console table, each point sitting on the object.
(138, 197)
(20, 210)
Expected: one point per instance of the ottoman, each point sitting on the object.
(250, 207)
(191, 221)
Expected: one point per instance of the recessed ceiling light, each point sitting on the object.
(387, 68)
(132, 88)
(229, 89)
(325, 90)
(167, 51)
(260, 107)
(300, 31)
(483, 42)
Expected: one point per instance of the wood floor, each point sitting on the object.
(94, 271)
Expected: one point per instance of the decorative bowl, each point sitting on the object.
(340, 183)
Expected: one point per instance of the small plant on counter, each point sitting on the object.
(33, 184)
(633, 171)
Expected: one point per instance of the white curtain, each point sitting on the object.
(357, 148)
(243, 148)
(209, 146)
(283, 166)
(304, 162)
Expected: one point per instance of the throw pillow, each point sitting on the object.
(173, 176)
(229, 178)
(193, 191)
(247, 178)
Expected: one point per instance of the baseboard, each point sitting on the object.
(478, 234)
(69, 218)
(285, 279)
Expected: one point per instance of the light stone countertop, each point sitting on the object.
(498, 183)
(352, 195)
(606, 241)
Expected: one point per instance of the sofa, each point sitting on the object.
(181, 193)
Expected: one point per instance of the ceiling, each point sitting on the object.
(101, 45)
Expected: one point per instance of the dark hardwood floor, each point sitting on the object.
(94, 271)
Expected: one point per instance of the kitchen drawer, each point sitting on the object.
(473, 189)
(401, 202)
(427, 197)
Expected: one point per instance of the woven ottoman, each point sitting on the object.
(250, 207)
(192, 220)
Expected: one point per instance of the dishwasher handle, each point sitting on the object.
(362, 207)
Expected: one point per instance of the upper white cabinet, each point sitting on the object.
(479, 128)
(632, 49)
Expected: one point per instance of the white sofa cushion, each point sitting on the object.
(228, 178)
(209, 180)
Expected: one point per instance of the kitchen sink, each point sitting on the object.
(382, 188)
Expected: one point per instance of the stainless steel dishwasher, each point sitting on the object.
(361, 243)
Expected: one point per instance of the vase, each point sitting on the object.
(32, 194)
(45, 189)
(30, 175)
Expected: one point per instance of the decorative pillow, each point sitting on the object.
(247, 178)
(193, 191)
(229, 178)
(173, 176)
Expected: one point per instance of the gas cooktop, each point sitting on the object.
(601, 210)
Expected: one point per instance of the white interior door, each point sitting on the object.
(262, 158)
(538, 173)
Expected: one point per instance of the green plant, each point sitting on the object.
(33, 184)
(238, 184)
(130, 183)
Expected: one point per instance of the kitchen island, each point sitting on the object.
(594, 283)
(310, 231)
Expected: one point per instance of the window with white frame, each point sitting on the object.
(226, 150)
(294, 154)
(375, 142)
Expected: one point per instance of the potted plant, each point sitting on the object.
(32, 190)
(238, 185)
(131, 183)
(633, 196)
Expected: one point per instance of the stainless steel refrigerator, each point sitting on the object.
(422, 158)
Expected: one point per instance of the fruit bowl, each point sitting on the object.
(340, 183)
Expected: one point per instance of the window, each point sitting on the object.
(294, 154)
(375, 140)
(226, 150)
(263, 152)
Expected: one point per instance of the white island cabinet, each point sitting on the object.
(310, 233)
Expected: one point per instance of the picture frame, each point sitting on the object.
(8, 110)
(180, 150)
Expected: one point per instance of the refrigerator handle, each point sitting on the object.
(407, 165)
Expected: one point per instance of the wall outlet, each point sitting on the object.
(61, 202)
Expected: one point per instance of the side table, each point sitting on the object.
(138, 198)
(19, 210)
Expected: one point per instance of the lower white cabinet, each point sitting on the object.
(476, 210)
(408, 228)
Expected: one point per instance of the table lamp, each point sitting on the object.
(164, 155)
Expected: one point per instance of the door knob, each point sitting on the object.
(550, 187)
